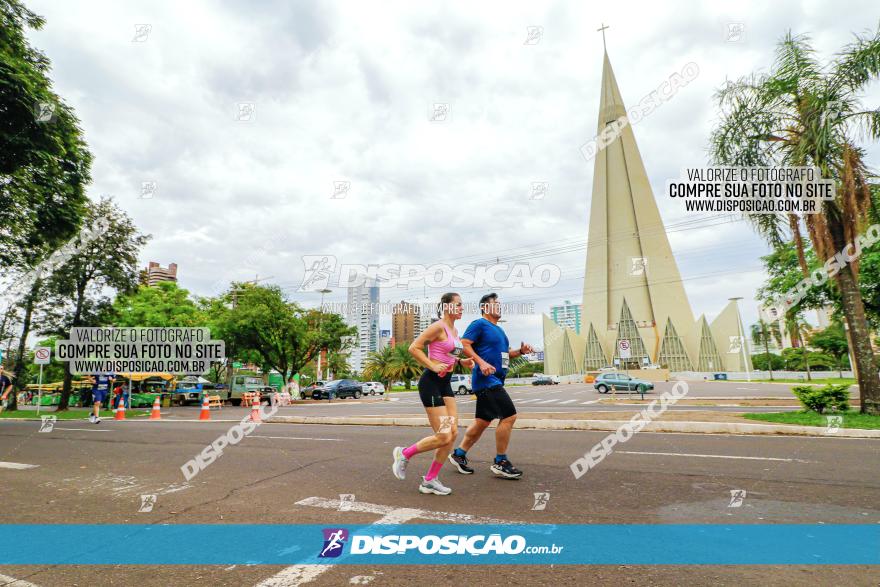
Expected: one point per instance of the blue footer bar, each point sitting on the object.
(269, 544)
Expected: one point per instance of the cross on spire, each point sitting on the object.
(602, 30)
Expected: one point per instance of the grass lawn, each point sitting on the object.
(851, 419)
(823, 381)
(71, 414)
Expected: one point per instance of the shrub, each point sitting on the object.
(818, 399)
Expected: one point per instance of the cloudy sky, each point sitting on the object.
(344, 92)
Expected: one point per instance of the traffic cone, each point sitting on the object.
(255, 409)
(120, 410)
(206, 410)
(156, 414)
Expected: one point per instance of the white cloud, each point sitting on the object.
(343, 91)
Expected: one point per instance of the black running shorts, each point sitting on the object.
(493, 403)
(433, 388)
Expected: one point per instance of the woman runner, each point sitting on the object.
(435, 391)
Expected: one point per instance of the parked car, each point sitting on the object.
(308, 392)
(340, 388)
(461, 384)
(373, 388)
(621, 382)
(546, 380)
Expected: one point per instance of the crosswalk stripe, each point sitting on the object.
(568, 401)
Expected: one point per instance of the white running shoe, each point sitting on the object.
(399, 465)
(434, 486)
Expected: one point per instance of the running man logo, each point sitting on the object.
(833, 424)
(147, 503)
(334, 541)
(735, 345)
(44, 112)
(541, 501)
(638, 266)
(319, 268)
(48, 423)
(345, 501)
(447, 424)
(737, 497)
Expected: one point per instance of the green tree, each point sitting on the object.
(377, 366)
(768, 362)
(162, 305)
(44, 162)
(283, 335)
(105, 260)
(807, 114)
(762, 333)
(403, 366)
(832, 340)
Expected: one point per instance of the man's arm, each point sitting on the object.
(523, 349)
(468, 348)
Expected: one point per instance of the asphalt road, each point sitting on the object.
(287, 473)
(557, 399)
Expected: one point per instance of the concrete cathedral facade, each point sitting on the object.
(632, 287)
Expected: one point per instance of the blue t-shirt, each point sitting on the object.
(489, 341)
(102, 382)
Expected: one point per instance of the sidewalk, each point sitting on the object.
(690, 422)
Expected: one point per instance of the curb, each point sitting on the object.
(605, 425)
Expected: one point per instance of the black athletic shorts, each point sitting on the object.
(493, 403)
(433, 388)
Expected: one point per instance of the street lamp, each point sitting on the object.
(321, 291)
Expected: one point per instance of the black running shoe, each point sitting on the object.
(461, 463)
(506, 470)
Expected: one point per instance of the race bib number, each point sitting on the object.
(457, 350)
(505, 360)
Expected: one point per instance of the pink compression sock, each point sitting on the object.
(409, 451)
(433, 471)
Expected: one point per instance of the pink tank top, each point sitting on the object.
(445, 351)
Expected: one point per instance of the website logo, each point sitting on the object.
(334, 540)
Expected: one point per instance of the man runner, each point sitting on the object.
(485, 342)
(100, 391)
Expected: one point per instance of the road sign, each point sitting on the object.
(623, 349)
(236, 365)
(42, 355)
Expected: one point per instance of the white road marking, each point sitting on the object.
(568, 401)
(295, 438)
(547, 401)
(13, 582)
(4, 465)
(298, 574)
(82, 429)
(678, 454)
(595, 401)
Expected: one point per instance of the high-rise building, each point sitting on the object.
(635, 308)
(384, 339)
(567, 315)
(363, 313)
(154, 273)
(405, 323)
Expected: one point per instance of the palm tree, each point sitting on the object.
(803, 114)
(761, 334)
(798, 327)
(378, 365)
(403, 366)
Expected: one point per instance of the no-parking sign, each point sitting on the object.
(623, 348)
(42, 355)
